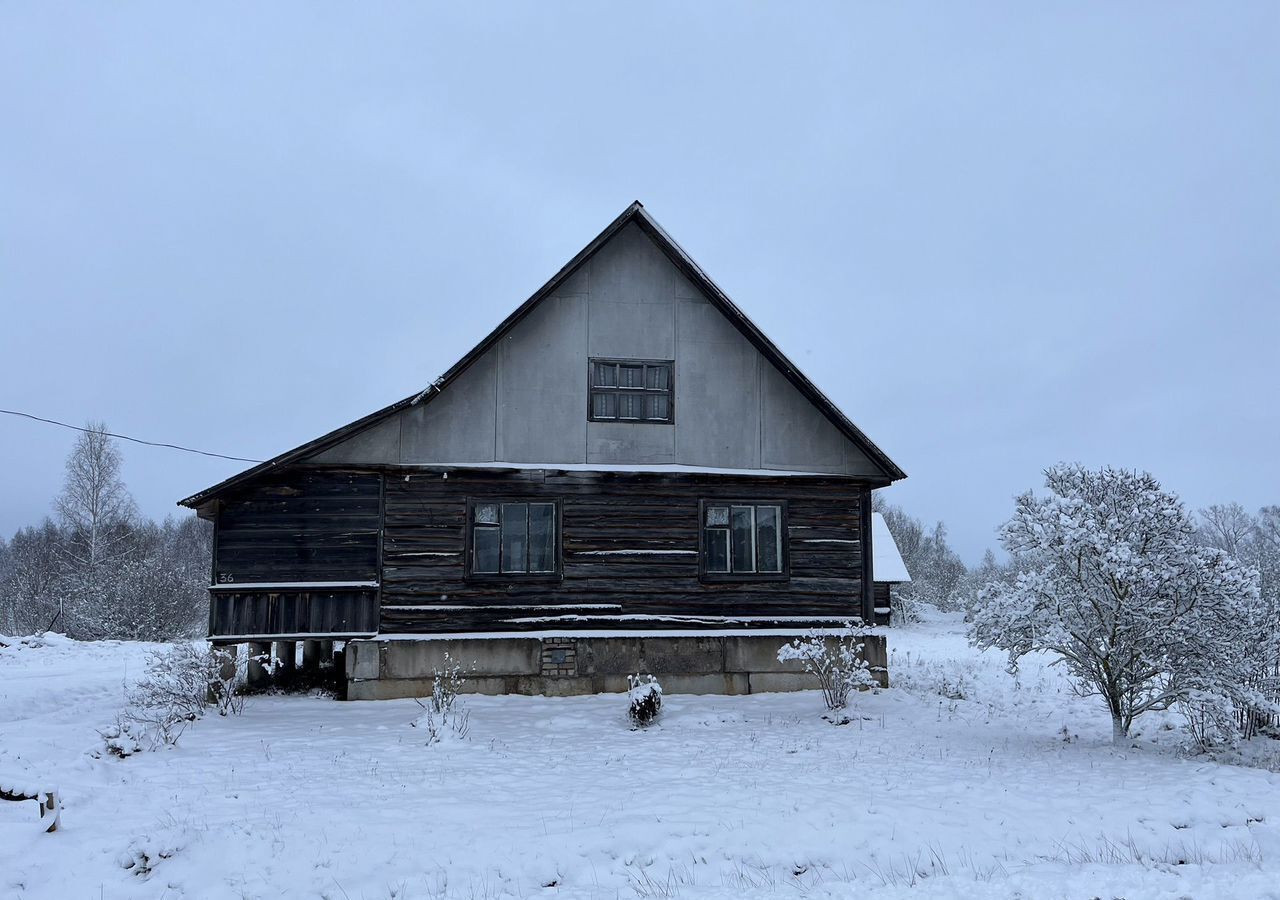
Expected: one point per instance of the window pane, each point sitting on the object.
(630, 376)
(486, 514)
(744, 534)
(484, 549)
(604, 406)
(657, 406)
(717, 545)
(718, 515)
(606, 374)
(657, 378)
(630, 406)
(542, 537)
(515, 538)
(768, 539)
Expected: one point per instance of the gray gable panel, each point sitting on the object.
(525, 400)
(521, 396)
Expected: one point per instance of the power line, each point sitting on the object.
(125, 437)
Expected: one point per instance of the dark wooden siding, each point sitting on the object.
(285, 613)
(883, 600)
(606, 518)
(302, 525)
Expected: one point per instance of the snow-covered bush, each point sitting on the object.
(180, 685)
(1232, 674)
(1234, 684)
(122, 738)
(835, 660)
(644, 699)
(1111, 579)
(442, 714)
(904, 604)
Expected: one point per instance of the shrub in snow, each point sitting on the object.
(1231, 676)
(904, 604)
(1234, 684)
(123, 738)
(644, 699)
(443, 715)
(835, 660)
(1111, 579)
(181, 684)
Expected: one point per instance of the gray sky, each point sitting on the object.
(1045, 232)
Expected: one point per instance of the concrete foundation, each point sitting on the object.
(287, 654)
(564, 665)
(256, 673)
(311, 656)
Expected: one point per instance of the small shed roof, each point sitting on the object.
(886, 561)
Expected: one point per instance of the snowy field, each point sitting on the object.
(960, 781)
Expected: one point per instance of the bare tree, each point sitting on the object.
(94, 502)
(1226, 526)
(97, 513)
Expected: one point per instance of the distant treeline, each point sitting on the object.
(101, 570)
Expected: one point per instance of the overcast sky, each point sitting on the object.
(998, 236)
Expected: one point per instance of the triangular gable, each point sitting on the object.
(370, 429)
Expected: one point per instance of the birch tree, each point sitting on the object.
(97, 512)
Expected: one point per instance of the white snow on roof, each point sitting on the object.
(618, 467)
(886, 561)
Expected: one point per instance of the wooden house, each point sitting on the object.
(625, 474)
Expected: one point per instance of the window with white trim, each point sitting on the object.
(743, 539)
(513, 537)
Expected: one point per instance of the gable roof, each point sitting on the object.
(639, 215)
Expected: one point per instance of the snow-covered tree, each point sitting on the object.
(1113, 581)
(30, 582)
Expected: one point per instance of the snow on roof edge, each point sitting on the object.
(657, 468)
(886, 561)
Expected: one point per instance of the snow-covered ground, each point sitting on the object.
(959, 781)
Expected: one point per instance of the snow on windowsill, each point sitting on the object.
(562, 634)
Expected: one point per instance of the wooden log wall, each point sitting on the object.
(882, 602)
(301, 525)
(299, 613)
(630, 553)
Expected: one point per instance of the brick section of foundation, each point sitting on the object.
(559, 659)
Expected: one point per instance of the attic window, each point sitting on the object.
(632, 390)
